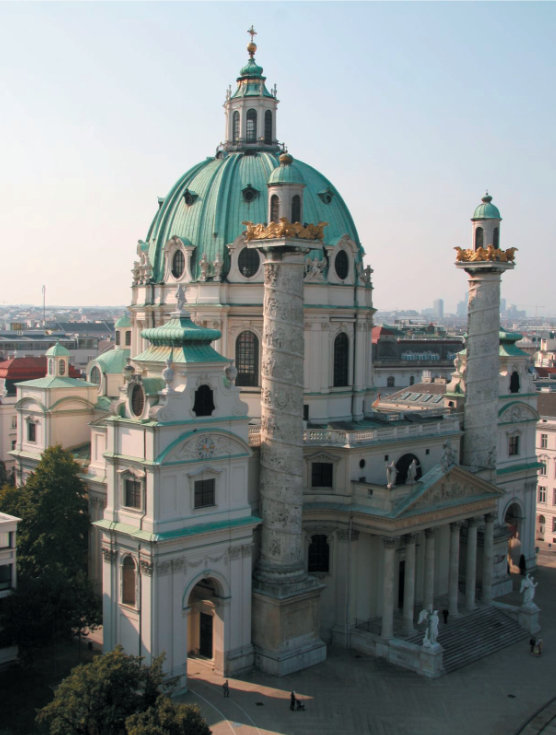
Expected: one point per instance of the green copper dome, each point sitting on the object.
(287, 172)
(486, 210)
(57, 350)
(123, 321)
(207, 206)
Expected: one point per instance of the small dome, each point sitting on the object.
(251, 69)
(123, 321)
(486, 210)
(57, 350)
(286, 173)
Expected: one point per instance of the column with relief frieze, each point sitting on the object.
(389, 546)
(488, 557)
(454, 568)
(471, 564)
(409, 583)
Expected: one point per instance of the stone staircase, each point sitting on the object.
(474, 636)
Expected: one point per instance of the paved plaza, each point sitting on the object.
(507, 693)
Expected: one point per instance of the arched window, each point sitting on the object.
(274, 208)
(496, 237)
(268, 127)
(128, 338)
(117, 338)
(62, 368)
(411, 380)
(341, 360)
(319, 554)
(178, 264)
(95, 376)
(235, 127)
(341, 264)
(251, 131)
(478, 238)
(514, 382)
(204, 401)
(390, 381)
(247, 359)
(128, 581)
(137, 400)
(296, 208)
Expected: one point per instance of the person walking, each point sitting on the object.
(292, 701)
(226, 688)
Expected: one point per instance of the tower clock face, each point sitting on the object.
(205, 447)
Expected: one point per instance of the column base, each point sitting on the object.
(286, 627)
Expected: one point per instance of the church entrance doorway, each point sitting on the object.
(205, 635)
(205, 625)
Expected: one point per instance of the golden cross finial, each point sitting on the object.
(252, 32)
(252, 46)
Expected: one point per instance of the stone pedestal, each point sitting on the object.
(430, 661)
(528, 617)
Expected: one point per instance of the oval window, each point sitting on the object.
(248, 262)
(137, 400)
(341, 264)
(178, 264)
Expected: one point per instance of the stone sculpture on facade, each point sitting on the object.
(448, 456)
(527, 589)
(431, 632)
(412, 472)
(391, 475)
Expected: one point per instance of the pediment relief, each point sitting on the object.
(451, 488)
(322, 457)
(206, 445)
(517, 411)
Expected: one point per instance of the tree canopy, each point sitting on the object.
(116, 694)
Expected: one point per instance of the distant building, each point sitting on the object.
(546, 454)
(8, 572)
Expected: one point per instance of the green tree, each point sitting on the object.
(167, 718)
(54, 597)
(97, 698)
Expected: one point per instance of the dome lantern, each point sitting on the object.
(486, 224)
(251, 109)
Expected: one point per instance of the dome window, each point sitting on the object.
(296, 208)
(326, 196)
(478, 238)
(178, 264)
(251, 126)
(137, 400)
(268, 127)
(189, 197)
(235, 127)
(341, 264)
(95, 376)
(274, 208)
(249, 193)
(248, 262)
(62, 368)
(496, 237)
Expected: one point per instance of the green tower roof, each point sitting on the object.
(57, 350)
(287, 172)
(123, 321)
(486, 210)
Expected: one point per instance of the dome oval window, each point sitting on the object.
(137, 400)
(341, 264)
(248, 262)
(178, 264)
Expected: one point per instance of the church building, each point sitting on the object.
(252, 499)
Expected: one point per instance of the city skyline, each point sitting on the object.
(111, 103)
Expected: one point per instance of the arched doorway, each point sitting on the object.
(205, 625)
(541, 526)
(402, 465)
(513, 519)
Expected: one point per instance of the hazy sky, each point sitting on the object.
(411, 109)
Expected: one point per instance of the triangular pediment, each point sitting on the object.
(442, 488)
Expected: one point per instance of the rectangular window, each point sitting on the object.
(541, 496)
(321, 474)
(554, 525)
(204, 493)
(5, 577)
(513, 446)
(544, 441)
(132, 493)
(31, 432)
(553, 497)
(542, 469)
(5, 540)
(14, 422)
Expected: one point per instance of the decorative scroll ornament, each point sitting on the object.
(284, 228)
(481, 254)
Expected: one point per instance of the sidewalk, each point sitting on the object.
(353, 695)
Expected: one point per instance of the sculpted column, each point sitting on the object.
(388, 588)
(471, 564)
(409, 584)
(488, 557)
(285, 598)
(454, 568)
(428, 597)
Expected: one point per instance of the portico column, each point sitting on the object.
(454, 568)
(409, 584)
(428, 597)
(488, 557)
(388, 588)
(471, 564)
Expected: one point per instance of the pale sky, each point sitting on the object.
(411, 109)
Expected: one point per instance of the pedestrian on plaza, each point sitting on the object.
(226, 688)
(292, 701)
(445, 614)
(532, 642)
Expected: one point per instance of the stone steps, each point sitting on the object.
(474, 636)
